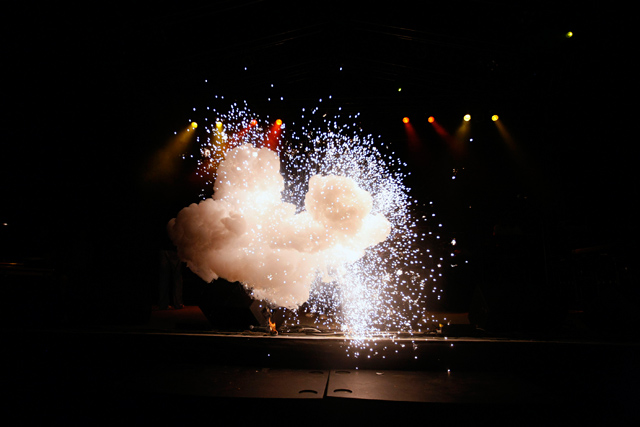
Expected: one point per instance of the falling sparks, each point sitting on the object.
(345, 222)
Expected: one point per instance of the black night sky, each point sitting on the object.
(91, 93)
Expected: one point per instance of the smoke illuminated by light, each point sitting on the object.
(321, 219)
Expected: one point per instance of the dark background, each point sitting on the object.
(91, 93)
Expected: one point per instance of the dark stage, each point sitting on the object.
(540, 288)
(176, 367)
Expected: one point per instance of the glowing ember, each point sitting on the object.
(332, 228)
(272, 327)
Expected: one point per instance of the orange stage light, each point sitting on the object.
(412, 137)
(431, 119)
(278, 122)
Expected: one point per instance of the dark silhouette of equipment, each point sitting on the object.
(228, 307)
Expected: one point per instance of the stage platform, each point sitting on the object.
(176, 367)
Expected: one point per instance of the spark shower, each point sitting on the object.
(309, 213)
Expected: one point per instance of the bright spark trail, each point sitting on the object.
(333, 228)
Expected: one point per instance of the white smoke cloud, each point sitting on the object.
(246, 233)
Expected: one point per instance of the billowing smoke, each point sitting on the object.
(246, 233)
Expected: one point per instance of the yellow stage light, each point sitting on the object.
(467, 117)
(569, 34)
(219, 125)
(405, 120)
(194, 125)
(495, 117)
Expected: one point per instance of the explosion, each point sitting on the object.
(321, 218)
(246, 233)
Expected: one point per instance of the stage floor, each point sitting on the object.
(176, 367)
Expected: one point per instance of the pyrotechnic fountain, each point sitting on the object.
(314, 214)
